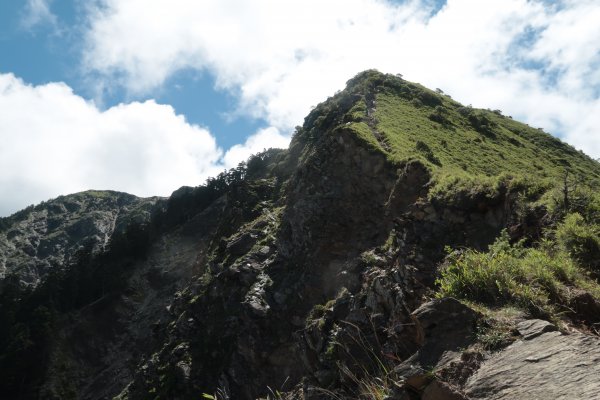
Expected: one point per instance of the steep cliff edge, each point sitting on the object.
(310, 272)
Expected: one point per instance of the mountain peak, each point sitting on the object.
(405, 120)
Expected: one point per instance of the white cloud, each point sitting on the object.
(263, 50)
(59, 143)
(570, 45)
(280, 58)
(36, 13)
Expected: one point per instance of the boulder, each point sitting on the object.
(443, 325)
(547, 366)
(444, 328)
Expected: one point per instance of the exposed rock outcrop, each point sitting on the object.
(545, 365)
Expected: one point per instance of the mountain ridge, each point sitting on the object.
(310, 272)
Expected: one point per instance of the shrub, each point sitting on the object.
(465, 111)
(573, 197)
(467, 191)
(422, 148)
(429, 98)
(440, 116)
(533, 279)
(416, 103)
(482, 124)
(581, 240)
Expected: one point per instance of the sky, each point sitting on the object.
(145, 96)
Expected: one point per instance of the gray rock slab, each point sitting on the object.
(533, 328)
(549, 366)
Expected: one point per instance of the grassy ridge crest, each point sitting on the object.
(405, 121)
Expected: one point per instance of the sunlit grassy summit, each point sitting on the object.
(405, 120)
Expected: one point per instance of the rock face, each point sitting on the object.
(545, 365)
(100, 343)
(35, 241)
(444, 328)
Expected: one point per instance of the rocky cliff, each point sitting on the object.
(324, 271)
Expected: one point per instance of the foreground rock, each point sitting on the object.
(444, 328)
(546, 365)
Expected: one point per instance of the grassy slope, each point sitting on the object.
(460, 139)
(510, 147)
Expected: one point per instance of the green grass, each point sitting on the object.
(409, 118)
(581, 240)
(473, 154)
(464, 191)
(534, 279)
(470, 152)
(510, 147)
(497, 328)
(362, 130)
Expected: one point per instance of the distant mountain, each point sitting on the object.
(38, 239)
(404, 247)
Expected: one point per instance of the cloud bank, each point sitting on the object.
(535, 60)
(60, 143)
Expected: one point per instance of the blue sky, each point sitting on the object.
(51, 51)
(146, 96)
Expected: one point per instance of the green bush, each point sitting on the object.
(569, 197)
(426, 151)
(581, 240)
(533, 279)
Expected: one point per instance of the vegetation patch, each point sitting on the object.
(535, 279)
(581, 240)
(466, 191)
(498, 326)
